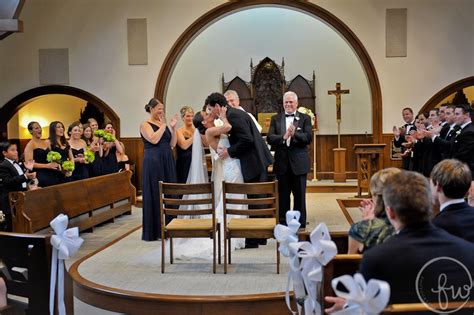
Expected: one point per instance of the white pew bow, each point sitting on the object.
(66, 242)
(286, 235)
(309, 258)
(364, 298)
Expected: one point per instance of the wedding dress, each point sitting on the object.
(228, 170)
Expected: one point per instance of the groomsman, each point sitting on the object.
(13, 177)
(445, 139)
(290, 134)
(400, 133)
(463, 146)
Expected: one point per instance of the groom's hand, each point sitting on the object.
(222, 153)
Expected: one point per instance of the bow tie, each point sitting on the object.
(289, 115)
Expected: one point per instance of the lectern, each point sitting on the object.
(369, 161)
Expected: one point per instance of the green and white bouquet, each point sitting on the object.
(68, 166)
(89, 156)
(53, 157)
(108, 137)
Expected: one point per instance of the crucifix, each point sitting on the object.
(337, 92)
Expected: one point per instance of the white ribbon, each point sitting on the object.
(65, 244)
(309, 258)
(287, 234)
(364, 298)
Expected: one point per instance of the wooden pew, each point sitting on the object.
(340, 238)
(32, 252)
(33, 210)
(417, 308)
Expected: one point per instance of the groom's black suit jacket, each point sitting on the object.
(247, 145)
(296, 155)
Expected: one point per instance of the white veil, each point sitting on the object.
(198, 169)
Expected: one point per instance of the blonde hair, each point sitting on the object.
(186, 109)
(377, 183)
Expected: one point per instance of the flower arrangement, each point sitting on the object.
(108, 137)
(53, 157)
(308, 112)
(68, 166)
(89, 156)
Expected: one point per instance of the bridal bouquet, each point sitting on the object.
(308, 112)
(68, 166)
(53, 157)
(89, 156)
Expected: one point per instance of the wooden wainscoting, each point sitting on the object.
(324, 157)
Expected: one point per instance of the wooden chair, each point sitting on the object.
(33, 253)
(250, 227)
(170, 200)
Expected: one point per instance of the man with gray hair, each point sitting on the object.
(289, 134)
(234, 101)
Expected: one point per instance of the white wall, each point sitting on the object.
(306, 43)
(440, 48)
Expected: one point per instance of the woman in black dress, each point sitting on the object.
(59, 144)
(95, 168)
(78, 148)
(109, 158)
(184, 146)
(37, 150)
(158, 165)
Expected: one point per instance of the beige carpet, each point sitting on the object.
(134, 259)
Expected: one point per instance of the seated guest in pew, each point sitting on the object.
(450, 182)
(375, 227)
(13, 177)
(109, 158)
(421, 262)
(58, 142)
(78, 148)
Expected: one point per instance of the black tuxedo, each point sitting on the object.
(399, 260)
(406, 160)
(457, 219)
(247, 145)
(463, 146)
(445, 140)
(292, 162)
(10, 180)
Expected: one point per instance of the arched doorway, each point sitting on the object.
(310, 8)
(436, 99)
(19, 101)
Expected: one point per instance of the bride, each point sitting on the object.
(214, 133)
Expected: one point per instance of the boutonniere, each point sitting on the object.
(297, 118)
(458, 132)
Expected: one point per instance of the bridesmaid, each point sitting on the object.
(109, 159)
(37, 150)
(158, 165)
(95, 169)
(59, 144)
(185, 144)
(78, 148)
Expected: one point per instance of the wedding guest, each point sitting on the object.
(450, 182)
(59, 144)
(13, 177)
(158, 164)
(122, 159)
(78, 148)
(109, 158)
(37, 150)
(375, 227)
(184, 144)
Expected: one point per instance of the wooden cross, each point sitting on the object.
(337, 92)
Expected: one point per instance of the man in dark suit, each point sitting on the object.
(400, 133)
(13, 177)
(445, 139)
(450, 182)
(421, 262)
(290, 134)
(463, 146)
(246, 144)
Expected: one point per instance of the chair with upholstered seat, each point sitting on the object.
(199, 201)
(259, 221)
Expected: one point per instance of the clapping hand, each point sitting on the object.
(174, 121)
(367, 208)
(29, 164)
(396, 132)
(162, 119)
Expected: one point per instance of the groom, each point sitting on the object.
(246, 144)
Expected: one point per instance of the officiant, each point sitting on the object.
(289, 134)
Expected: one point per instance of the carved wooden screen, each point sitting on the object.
(304, 90)
(243, 90)
(268, 86)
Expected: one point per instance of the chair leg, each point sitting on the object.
(278, 258)
(230, 250)
(214, 237)
(218, 243)
(171, 250)
(163, 255)
(225, 252)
